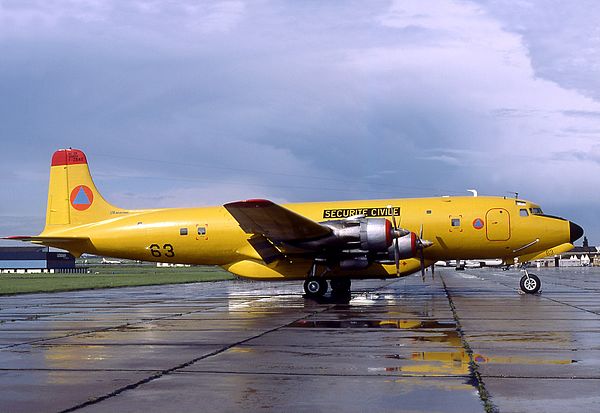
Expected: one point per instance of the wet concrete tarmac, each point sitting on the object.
(464, 342)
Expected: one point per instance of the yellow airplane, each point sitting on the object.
(321, 243)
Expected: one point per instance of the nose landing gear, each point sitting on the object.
(530, 283)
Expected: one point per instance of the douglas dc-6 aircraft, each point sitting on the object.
(321, 243)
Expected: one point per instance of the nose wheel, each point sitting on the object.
(530, 283)
(315, 287)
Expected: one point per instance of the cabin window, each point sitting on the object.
(523, 212)
(201, 231)
(428, 212)
(183, 231)
(455, 222)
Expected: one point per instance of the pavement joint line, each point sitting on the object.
(571, 305)
(555, 300)
(262, 373)
(203, 357)
(545, 281)
(74, 334)
(484, 395)
(171, 370)
(542, 378)
(243, 372)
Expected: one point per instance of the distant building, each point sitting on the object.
(36, 260)
(584, 255)
(168, 264)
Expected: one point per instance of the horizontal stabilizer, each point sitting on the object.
(42, 239)
(260, 216)
(75, 245)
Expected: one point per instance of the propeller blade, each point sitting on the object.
(422, 244)
(397, 256)
(396, 247)
(393, 217)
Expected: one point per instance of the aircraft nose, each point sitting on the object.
(576, 231)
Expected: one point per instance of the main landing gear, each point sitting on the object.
(530, 283)
(315, 287)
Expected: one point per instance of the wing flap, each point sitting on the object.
(267, 251)
(263, 217)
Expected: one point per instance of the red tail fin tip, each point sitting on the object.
(68, 157)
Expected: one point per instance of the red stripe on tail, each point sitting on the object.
(68, 157)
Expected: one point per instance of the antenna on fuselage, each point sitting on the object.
(515, 193)
(473, 191)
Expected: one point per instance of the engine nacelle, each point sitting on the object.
(356, 243)
(372, 235)
(407, 247)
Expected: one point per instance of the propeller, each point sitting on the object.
(421, 244)
(396, 248)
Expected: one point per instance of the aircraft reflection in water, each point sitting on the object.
(455, 361)
(452, 361)
(321, 243)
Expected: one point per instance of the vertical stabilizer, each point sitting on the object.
(73, 199)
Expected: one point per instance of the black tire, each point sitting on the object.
(530, 285)
(315, 287)
(341, 285)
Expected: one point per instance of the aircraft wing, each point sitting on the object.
(279, 224)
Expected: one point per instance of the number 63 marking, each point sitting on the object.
(168, 251)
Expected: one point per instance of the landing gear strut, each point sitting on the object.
(530, 283)
(315, 285)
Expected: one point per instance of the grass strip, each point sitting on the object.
(109, 276)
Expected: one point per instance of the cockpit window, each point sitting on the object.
(536, 211)
(523, 212)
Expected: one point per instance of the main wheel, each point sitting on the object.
(531, 284)
(341, 285)
(315, 287)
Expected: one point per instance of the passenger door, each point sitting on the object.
(498, 224)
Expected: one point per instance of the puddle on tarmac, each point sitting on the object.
(454, 361)
(437, 363)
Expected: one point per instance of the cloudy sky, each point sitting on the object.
(191, 103)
